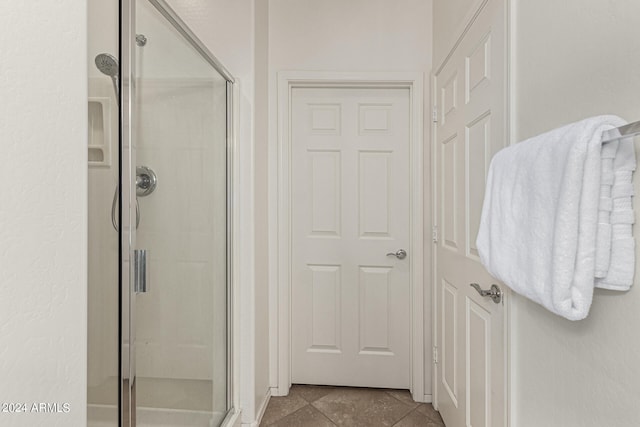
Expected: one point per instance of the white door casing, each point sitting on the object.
(281, 224)
(469, 95)
(350, 208)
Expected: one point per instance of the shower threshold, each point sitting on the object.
(104, 416)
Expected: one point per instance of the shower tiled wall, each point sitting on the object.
(183, 227)
(103, 249)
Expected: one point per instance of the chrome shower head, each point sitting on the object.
(108, 65)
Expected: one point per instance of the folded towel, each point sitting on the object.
(557, 216)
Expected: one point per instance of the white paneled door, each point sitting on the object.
(350, 205)
(470, 101)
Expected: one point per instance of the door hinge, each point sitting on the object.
(434, 234)
(435, 114)
(435, 354)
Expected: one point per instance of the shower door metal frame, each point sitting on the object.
(126, 212)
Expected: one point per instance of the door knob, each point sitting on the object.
(400, 254)
(495, 293)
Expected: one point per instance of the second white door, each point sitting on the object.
(470, 344)
(350, 225)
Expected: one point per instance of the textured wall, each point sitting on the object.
(43, 214)
(575, 59)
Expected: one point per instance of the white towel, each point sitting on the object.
(557, 216)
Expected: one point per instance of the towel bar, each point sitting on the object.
(632, 129)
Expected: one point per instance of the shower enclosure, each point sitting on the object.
(159, 218)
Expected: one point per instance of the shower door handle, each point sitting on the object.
(114, 208)
(140, 271)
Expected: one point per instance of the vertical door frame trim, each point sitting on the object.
(235, 251)
(280, 223)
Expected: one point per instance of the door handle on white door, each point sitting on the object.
(495, 293)
(400, 254)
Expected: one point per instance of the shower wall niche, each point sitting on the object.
(99, 150)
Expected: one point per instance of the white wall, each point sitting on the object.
(103, 25)
(43, 225)
(354, 35)
(226, 28)
(261, 136)
(452, 15)
(576, 58)
(358, 35)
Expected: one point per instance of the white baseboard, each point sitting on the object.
(261, 410)
(275, 392)
(428, 398)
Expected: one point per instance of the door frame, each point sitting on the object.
(509, 120)
(280, 216)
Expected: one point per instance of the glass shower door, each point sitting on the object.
(175, 322)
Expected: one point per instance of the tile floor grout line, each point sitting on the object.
(404, 403)
(298, 410)
(324, 415)
(405, 416)
(286, 415)
(322, 412)
(417, 403)
(306, 394)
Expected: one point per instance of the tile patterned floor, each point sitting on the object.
(326, 406)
